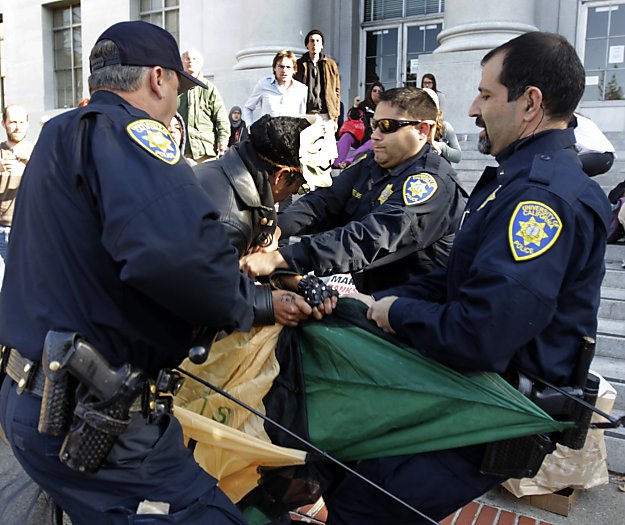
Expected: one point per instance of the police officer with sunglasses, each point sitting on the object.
(393, 214)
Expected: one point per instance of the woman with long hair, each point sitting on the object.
(428, 80)
(444, 138)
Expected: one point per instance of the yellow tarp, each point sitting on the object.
(231, 441)
(232, 456)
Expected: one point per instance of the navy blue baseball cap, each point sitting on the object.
(144, 44)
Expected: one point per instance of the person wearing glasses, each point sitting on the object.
(429, 81)
(523, 282)
(254, 175)
(389, 216)
(279, 95)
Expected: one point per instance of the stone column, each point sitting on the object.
(484, 25)
(471, 29)
(270, 26)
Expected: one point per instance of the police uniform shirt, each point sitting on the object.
(523, 280)
(114, 238)
(368, 213)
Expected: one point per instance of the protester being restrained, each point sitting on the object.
(261, 172)
(392, 214)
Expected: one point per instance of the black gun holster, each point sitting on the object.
(522, 457)
(85, 399)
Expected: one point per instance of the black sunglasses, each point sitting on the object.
(390, 125)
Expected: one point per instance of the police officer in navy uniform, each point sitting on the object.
(522, 284)
(394, 213)
(115, 239)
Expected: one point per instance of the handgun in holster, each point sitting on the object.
(85, 399)
(522, 457)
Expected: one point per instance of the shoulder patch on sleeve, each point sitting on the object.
(419, 188)
(534, 228)
(153, 137)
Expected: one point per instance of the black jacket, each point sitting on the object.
(114, 238)
(239, 186)
(382, 226)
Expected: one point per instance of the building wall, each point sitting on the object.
(239, 37)
(29, 50)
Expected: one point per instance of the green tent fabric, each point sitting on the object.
(368, 395)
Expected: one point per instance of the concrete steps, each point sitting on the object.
(473, 162)
(614, 257)
(609, 360)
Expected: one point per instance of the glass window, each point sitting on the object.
(614, 85)
(381, 58)
(617, 21)
(604, 51)
(392, 51)
(421, 40)
(597, 23)
(594, 57)
(163, 13)
(67, 40)
(387, 9)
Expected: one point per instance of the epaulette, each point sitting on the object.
(542, 169)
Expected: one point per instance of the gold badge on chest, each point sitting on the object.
(386, 193)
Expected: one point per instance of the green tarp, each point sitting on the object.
(368, 395)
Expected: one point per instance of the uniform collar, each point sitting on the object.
(518, 155)
(103, 96)
(545, 142)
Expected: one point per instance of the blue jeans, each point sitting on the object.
(4, 243)
(4, 240)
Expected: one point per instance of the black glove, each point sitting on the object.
(314, 290)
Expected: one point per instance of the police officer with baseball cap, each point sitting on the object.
(117, 261)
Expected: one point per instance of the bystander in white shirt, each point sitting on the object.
(279, 95)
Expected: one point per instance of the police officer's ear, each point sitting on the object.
(533, 99)
(157, 77)
(427, 128)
